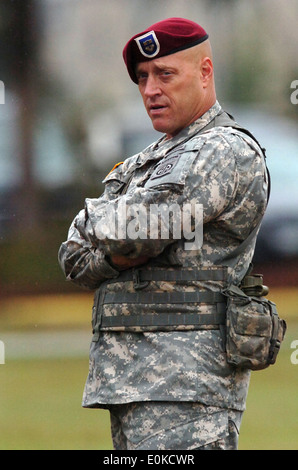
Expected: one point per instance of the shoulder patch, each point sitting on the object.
(114, 168)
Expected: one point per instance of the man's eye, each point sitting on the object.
(142, 76)
(166, 74)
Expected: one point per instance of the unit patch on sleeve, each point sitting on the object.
(166, 167)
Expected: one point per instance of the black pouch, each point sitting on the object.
(254, 331)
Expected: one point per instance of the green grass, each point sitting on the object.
(41, 409)
(271, 418)
(40, 399)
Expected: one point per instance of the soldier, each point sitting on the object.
(157, 357)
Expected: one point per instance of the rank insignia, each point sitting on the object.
(148, 44)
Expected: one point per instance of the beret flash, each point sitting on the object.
(163, 38)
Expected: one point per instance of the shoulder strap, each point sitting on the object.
(224, 119)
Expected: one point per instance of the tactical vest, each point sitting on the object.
(131, 303)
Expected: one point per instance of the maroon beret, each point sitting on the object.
(163, 38)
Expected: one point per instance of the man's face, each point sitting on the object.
(172, 90)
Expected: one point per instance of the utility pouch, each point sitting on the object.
(254, 331)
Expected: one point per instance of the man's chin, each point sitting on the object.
(159, 126)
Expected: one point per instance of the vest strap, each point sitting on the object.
(164, 320)
(169, 298)
(177, 275)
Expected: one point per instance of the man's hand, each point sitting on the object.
(122, 262)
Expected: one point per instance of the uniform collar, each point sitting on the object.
(162, 146)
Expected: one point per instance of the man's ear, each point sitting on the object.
(206, 71)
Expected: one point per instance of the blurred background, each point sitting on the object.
(70, 113)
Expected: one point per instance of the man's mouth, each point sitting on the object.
(156, 108)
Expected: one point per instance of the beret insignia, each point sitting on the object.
(148, 44)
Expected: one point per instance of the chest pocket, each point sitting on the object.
(173, 169)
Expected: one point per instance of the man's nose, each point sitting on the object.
(152, 87)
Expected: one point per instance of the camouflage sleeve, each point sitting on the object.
(81, 262)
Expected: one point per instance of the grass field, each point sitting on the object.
(40, 398)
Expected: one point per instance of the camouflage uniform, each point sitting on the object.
(174, 426)
(223, 170)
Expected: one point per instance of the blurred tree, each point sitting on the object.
(5, 43)
(19, 34)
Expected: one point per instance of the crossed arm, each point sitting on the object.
(92, 252)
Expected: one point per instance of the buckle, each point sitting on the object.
(138, 284)
(253, 286)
